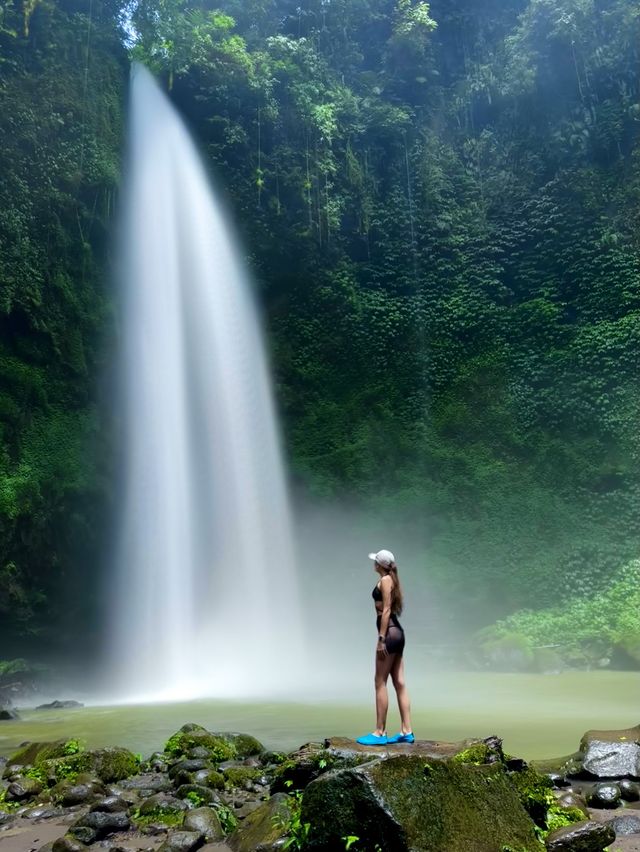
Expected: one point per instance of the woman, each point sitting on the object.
(387, 597)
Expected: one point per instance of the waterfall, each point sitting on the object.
(205, 600)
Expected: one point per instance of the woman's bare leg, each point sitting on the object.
(383, 667)
(404, 705)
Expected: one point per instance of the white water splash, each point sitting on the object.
(206, 599)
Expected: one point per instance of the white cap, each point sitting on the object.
(383, 557)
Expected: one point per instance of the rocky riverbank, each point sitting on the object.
(224, 791)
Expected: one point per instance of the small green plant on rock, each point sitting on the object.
(195, 798)
(295, 830)
(228, 819)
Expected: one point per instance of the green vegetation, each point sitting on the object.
(440, 202)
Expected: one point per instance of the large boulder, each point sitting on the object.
(108, 764)
(611, 754)
(413, 801)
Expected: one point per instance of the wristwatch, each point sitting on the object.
(380, 638)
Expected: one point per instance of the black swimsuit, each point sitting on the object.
(394, 640)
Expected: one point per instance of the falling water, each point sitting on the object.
(206, 598)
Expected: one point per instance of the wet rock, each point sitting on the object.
(187, 766)
(611, 754)
(153, 781)
(6, 818)
(59, 705)
(629, 791)
(262, 829)
(626, 824)
(604, 796)
(24, 788)
(204, 821)
(102, 823)
(43, 812)
(75, 794)
(584, 836)
(110, 805)
(182, 841)
(68, 843)
(192, 736)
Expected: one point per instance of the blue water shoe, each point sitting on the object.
(372, 739)
(401, 738)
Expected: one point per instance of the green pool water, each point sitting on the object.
(536, 715)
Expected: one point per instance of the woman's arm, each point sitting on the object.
(385, 588)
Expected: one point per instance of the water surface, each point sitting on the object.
(536, 715)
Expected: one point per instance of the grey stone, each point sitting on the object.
(154, 781)
(584, 836)
(204, 821)
(626, 824)
(182, 841)
(611, 754)
(43, 812)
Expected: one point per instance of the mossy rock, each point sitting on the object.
(36, 754)
(215, 780)
(265, 827)
(108, 764)
(244, 744)
(183, 741)
(240, 776)
(462, 807)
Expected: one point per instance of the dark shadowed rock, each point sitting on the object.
(59, 705)
(629, 791)
(611, 754)
(182, 841)
(204, 821)
(76, 794)
(8, 715)
(584, 836)
(462, 806)
(102, 823)
(604, 796)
